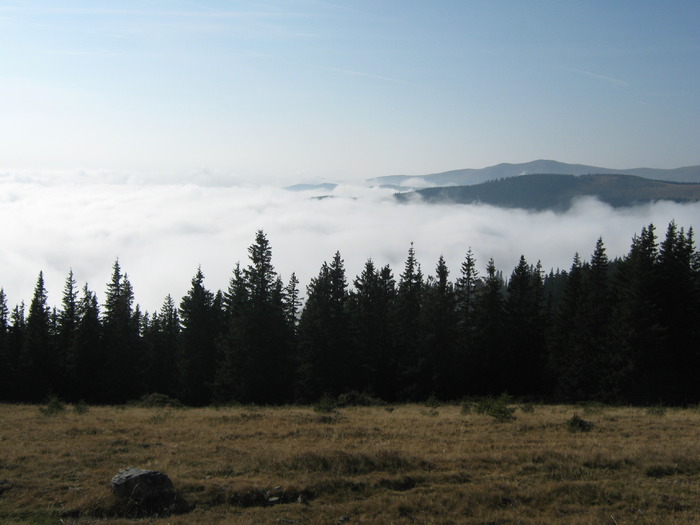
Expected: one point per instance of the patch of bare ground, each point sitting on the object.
(372, 465)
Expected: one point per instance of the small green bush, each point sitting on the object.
(432, 402)
(498, 408)
(358, 399)
(81, 407)
(527, 408)
(657, 410)
(325, 405)
(484, 405)
(500, 411)
(156, 400)
(578, 424)
(54, 406)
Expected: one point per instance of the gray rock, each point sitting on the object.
(147, 491)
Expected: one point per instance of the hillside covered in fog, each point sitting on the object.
(557, 192)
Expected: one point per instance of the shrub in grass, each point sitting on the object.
(325, 405)
(358, 399)
(432, 402)
(657, 410)
(527, 408)
(578, 424)
(500, 411)
(156, 400)
(81, 407)
(484, 405)
(498, 408)
(54, 406)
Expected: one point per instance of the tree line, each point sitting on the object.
(622, 330)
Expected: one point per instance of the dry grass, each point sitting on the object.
(374, 465)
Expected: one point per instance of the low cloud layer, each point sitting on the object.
(162, 233)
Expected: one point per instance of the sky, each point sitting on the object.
(329, 90)
(160, 132)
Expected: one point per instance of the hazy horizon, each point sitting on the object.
(160, 131)
(162, 233)
(304, 91)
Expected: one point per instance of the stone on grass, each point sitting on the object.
(144, 491)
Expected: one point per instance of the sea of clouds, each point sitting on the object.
(162, 232)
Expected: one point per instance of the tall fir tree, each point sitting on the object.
(37, 360)
(326, 363)
(569, 361)
(370, 307)
(161, 359)
(486, 362)
(199, 330)
(525, 340)
(16, 335)
(635, 333)
(66, 331)
(122, 370)
(678, 361)
(5, 361)
(292, 302)
(465, 293)
(440, 320)
(86, 375)
(256, 360)
(408, 333)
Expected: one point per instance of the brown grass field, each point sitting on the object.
(405, 464)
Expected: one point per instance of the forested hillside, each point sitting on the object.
(557, 192)
(623, 330)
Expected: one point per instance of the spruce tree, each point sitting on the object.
(326, 363)
(165, 328)
(569, 358)
(635, 333)
(292, 302)
(524, 365)
(370, 307)
(678, 362)
(16, 335)
(121, 378)
(67, 327)
(487, 361)
(196, 356)
(255, 355)
(5, 361)
(409, 337)
(465, 292)
(440, 321)
(86, 376)
(37, 360)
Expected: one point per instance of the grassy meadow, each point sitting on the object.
(404, 464)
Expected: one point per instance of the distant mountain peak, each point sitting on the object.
(547, 191)
(471, 176)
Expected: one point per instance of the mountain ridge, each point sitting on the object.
(546, 191)
(471, 176)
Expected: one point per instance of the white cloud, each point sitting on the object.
(161, 233)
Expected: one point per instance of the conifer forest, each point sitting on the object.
(623, 330)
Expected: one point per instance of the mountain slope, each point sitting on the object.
(556, 192)
(477, 176)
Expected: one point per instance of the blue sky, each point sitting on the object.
(329, 90)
